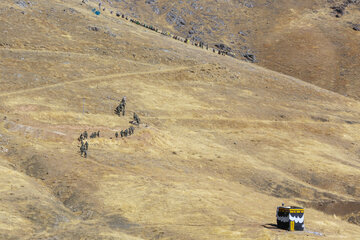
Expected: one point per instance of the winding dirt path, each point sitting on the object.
(102, 78)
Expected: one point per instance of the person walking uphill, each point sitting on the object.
(83, 150)
(123, 104)
(136, 120)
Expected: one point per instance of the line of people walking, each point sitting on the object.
(120, 111)
(166, 33)
(126, 132)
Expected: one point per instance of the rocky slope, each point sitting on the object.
(316, 41)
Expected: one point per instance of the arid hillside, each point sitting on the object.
(221, 143)
(315, 41)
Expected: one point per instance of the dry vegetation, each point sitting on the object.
(303, 39)
(222, 142)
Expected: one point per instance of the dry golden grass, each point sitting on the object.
(222, 142)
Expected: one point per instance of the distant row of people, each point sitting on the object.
(95, 134)
(136, 120)
(126, 132)
(165, 33)
(119, 110)
(144, 25)
(84, 135)
(185, 40)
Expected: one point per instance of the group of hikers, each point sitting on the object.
(120, 111)
(131, 129)
(125, 133)
(165, 33)
(185, 40)
(95, 134)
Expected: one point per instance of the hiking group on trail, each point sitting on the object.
(165, 33)
(120, 111)
(125, 133)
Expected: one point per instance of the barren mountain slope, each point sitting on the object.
(303, 39)
(221, 144)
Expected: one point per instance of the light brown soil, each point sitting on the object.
(222, 143)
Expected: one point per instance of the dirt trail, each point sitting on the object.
(57, 52)
(98, 78)
(222, 142)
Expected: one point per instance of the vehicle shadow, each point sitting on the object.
(271, 226)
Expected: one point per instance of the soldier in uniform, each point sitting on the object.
(86, 145)
(116, 134)
(119, 109)
(98, 134)
(123, 105)
(85, 135)
(81, 137)
(93, 135)
(126, 133)
(132, 129)
(121, 133)
(82, 149)
(136, 119)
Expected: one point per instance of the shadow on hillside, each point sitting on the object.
(271, 226)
